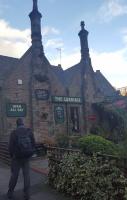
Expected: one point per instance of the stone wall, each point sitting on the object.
(40, 113)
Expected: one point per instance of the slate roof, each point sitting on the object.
(59, 72)
(70, 73)
(103, 84)
(6, 64)
(65, 76)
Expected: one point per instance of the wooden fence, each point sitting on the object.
(58, 153)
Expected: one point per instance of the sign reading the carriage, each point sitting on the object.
(63, 99)
(59, 114)
(16, 110)
(42, 94)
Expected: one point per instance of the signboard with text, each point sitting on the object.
(42, 94)
(59, 114)
(16, 110)
(92, 117)
(63, 99)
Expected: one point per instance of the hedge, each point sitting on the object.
(88, 178)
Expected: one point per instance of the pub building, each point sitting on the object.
(49, 99)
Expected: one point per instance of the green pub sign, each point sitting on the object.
(64, 99)
(59, 114)
(16, 110)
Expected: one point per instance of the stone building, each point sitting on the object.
(51, 100)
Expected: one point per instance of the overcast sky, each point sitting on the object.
(106, 21)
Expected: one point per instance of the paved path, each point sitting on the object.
(39, 186)
(40, 165)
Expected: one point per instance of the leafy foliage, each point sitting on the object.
(97, 144)
(62, 140)
(74, 142)
(98, 130)
(123, 148)
(113, 120)
(88, 178)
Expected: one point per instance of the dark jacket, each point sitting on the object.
(12, 140)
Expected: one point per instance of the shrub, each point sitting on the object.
(96, 144)
(74, 142)
(113, 119)
(88, 178)
(62, 140)
(123, 148)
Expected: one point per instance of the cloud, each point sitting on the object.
(50, 30)
(68, 60)
(8, 48)
(14, 42)
(124, 35)
(54, 43)
(113, 65)
(111, 9)
(9, 33)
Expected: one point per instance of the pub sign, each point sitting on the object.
(59, 114)
(16, 110)
(42, 94)
(65, 99)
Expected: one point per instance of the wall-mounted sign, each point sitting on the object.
(63, 99)
(92, 117)
(42, 94)
(59, 114)
(16, 110)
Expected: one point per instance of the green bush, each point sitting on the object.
(88, 178)
(62, 140)
(112, 119)
(74, 142)
(96, 144)
(123, 149)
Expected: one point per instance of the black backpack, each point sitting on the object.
(24, 146)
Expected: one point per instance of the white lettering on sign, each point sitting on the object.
(67, 99)
(16, 108)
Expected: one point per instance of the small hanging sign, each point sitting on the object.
(42, 94)
(92, 117)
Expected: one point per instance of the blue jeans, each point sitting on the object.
(16, 165)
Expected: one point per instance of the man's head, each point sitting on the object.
(19, 122)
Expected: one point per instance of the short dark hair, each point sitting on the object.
(19, 122)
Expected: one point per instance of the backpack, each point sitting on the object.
(24, 146)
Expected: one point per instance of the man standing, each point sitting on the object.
(21, 148)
